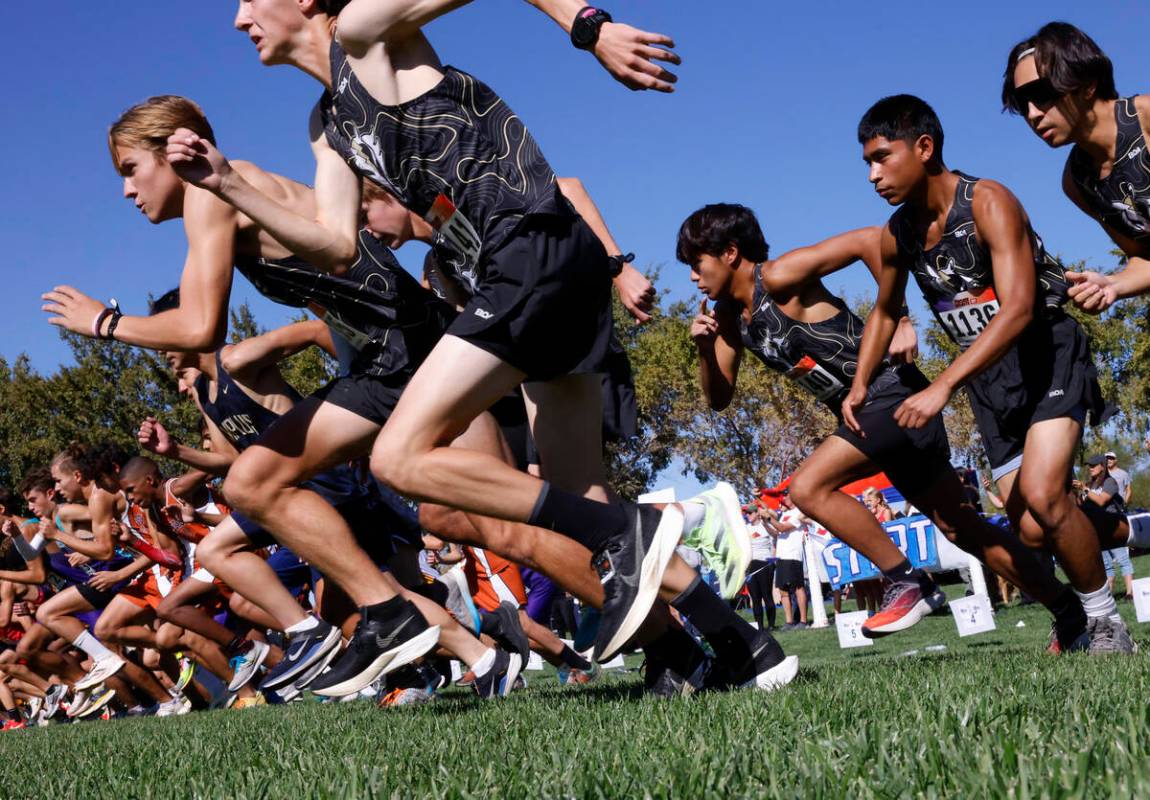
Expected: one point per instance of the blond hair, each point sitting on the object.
(148, 125)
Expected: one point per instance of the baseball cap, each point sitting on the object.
(1096, 460)
(1111, 454)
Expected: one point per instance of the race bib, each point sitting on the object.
(816, 380)
(355, 337)
(967, 315)
(455, 228)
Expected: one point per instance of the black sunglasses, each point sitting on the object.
(1041, 92)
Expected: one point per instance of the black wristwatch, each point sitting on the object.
(585, 28)
(618, 261)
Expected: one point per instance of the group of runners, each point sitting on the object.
(478, 392)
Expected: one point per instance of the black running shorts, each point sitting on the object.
(789, 574)
(544, 300)
(1048, 374)
(364, 395)
(913, 459)
(99, 598)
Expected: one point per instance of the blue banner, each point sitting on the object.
(914, 536)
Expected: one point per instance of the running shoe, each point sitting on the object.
(903, 605)
(1077, 640)
(52, 700)
(631, 567)
(661, 680)
(245, 663)
(589, 618)
(722, 538)
(256, 699)
(98, 700)
(411, 696)
(504, 627)
(284, 694)
(500, 679)
(466, 679)
(35, 706)
(309, 651)
(101, 670)
(581, 677)
(176, 707)
(13, 725)
(1108, 636)
(79, 702)
(187, 672)
(377, 647)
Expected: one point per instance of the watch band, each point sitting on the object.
(585, 27)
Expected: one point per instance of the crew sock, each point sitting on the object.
(1098, 603)
(573, 659)
(485, 663)
(92, 646)
(304, 625)
(730, 636)
(588, 522)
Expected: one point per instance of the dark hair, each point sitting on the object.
(1066, 57)
(166, 302)
(39, 478)
(9, 500)
(715, 227)
(332, 7)
(98, 462)
(902, 117)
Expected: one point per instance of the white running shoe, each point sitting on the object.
(101, 670)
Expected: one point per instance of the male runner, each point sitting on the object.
(537, 274)
(780, 311)
(1026, 365)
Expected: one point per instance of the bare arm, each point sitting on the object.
(720, 347)
(154, 437)
(248, 358)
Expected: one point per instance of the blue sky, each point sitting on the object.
(765, 114)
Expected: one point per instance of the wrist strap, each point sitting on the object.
(617, 262)
(113, 311)
(98, 322)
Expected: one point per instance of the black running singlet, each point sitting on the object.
(238, 416)
(456, 155)
(822, 357)
(377, 306)
(1122, 198)
(956, 275)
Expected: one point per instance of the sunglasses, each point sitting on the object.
(1041, 92)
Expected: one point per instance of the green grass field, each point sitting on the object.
(992, 716)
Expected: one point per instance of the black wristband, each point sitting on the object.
(904, 311)
(586, 25)
(618, 261)
(113, 310)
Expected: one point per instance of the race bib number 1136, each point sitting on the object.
(967, 315)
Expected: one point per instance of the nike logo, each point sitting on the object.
(224, 389)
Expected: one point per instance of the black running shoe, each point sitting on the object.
(504, 627)
(768, 668)
(631, 567)
(377, 647)
(306, 650)
(500, 679)
(662, 680)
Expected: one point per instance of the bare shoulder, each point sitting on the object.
(1142, 106)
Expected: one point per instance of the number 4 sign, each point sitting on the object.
(1142, 599)
(973, 614)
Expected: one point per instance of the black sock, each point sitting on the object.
(902, 572)
(677, 649)
(1069, 618)
(586, 521)
(573, 659)
(730, 636)
(388, 609)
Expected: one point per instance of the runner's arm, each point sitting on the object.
(153, 437)
(720, 347)
(109, 578)
(635, 290)
(248, 358)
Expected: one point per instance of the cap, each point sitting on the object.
(1096, 460)
(1111, 454)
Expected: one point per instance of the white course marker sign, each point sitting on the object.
(849, 629)
(1142, 599)
(973, 614)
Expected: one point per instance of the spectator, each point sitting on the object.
(868, 594)
(761, 570)
(1103, 490)
(789, 530)
(1120, 476)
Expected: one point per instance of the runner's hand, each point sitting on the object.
(72, 310)
(78, 559)
(10, 528)
(636, 292)
(918, 409)
(705, 327)
(154, 437)
(629, 54)
(102, 581)
(1091, 291)
(904, 344)
(197, 160)
(852, 403)
(182, 510)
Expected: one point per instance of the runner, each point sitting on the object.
(1026, 365)
(540, 252)
(780, 311)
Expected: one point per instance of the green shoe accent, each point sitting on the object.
(722, 538)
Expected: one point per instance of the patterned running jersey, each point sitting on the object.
(956, 276)
(1122, 198)
(457, 155)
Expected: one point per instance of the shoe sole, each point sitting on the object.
(521, 643)
(393, 659)
(513, 669)
(651, 571)
(237, 683)
(327, 652)
(97, 705)
(88, 681)
(733, 516)
(923, 608)
(779, 675)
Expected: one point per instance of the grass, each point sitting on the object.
(992, 716)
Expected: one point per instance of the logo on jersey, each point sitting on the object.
(1056, 393)
(238, 426)
(479, 312)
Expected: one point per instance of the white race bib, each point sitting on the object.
(968, 315)
(816, 380)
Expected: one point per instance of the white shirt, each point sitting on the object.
(1122, 478)
(789, 546)
(762, 543)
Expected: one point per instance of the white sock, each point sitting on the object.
(693, 514)
(305, 624)
(1139, 530)
(91, 645)
(1099, 603)
(484, 664)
